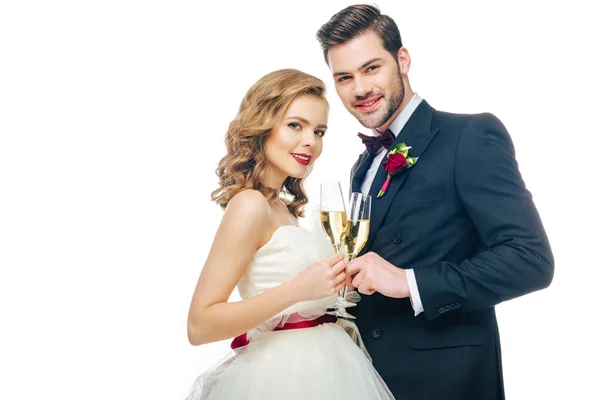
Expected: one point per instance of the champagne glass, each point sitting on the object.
(359, 224)
(333, 213)
(335, 223)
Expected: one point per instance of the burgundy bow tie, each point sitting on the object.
(374, 143)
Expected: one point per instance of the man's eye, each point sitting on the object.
(343, 78)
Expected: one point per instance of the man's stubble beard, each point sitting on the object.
(395, 100)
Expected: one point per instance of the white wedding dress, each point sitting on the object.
(326, 361)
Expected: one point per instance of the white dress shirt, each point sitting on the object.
(396, 127)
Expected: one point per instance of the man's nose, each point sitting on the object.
(362, 87)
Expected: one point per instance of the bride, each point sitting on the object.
(286, 347)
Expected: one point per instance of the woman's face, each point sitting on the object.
(297, 140)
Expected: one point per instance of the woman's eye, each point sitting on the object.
(294, 125)
(320, 133)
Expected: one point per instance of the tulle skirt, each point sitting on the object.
(321, 362)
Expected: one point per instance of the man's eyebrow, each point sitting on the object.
(361, 67)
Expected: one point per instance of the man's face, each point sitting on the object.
(367, 79)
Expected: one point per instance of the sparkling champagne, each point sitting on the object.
(334, 224)
(356, 236)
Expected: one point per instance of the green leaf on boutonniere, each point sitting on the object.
(401, 148)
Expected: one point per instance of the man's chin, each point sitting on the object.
(369, 121)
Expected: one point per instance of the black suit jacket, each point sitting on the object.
(463, 219)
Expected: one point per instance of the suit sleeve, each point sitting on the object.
(516, 257)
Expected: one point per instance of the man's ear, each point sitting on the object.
(403, 60)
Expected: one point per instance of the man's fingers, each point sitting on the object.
(366, 286)
(349, 282)
(357, 280)
(353, 267)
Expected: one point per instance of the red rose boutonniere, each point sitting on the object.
(397, 160)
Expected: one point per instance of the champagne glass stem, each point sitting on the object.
(342, 292)
(344, 289)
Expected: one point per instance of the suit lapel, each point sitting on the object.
(363, 164)
(416, 133)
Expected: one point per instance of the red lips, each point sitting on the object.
(305, 160)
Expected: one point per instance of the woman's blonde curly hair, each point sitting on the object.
(263, 107)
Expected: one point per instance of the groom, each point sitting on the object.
(452, 236)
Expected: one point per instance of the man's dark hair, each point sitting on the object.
(356, 20)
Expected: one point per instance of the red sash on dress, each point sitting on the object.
(242, 340)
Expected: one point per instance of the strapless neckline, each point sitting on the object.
(290, 250)
(278, 231)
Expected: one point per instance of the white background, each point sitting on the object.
(112, 119)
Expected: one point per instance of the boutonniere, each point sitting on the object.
(397, 160)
